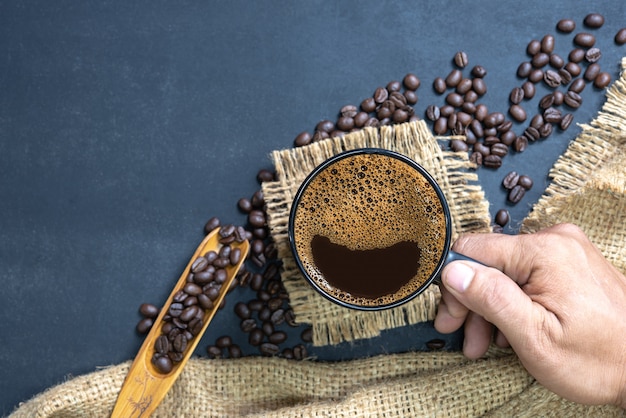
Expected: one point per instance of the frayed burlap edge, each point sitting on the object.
(469, 209)
(588, 185)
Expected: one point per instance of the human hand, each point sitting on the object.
(554, 298)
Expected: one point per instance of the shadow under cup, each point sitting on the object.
(370, 229)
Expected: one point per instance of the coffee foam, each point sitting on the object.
(371, 201)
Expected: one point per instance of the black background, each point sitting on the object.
(124, 126)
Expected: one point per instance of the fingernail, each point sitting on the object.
(458, 276)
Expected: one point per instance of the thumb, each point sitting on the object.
(492, 295)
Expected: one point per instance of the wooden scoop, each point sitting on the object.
(145, 387)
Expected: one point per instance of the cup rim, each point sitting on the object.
(406, 160)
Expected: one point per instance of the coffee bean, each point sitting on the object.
(547, 44)
(573, 69)
(517, 112)
(525, 181)
(269, 349)
(566, 77)
(532, 133)
(256, 336)
(247, 325)
(454, 77)
(144, 325)
(533, 47)
(602, 80)
(566, 121)
(479, 87)
(510, 180)
(546, 130)
(529, 90)
(584, 39)
(476, 158)
(517, 95)
(556, 61)
(256, 218)
(162, 363)
(593, 55)
(620, 37)
(566, 25)
(435, 344)
(411, 97)
(508, 137)
(492, 161)
(537, 121)
(552, 78)
(211, 224)
(460, 59)
(380, 95)
(278, 317)
(577, 85)
(479, 71)
(214, 352)
(180, 343)
(234, 351)
(573, 99)
(516, 194)
(454, 99)
(148, 310)
(307, 335)
(277, 337)
(439, 85)
(502, 217)
(552, 115)
(500, 149)
(520, 144)
(536, 75)
(546, 101)
(524, 69)
(411, 82)
(594, 20)
(394, 86)
(465, 85)
(441, 126)
(576, 55)
(540, 60)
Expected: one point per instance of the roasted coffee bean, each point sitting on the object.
(264, 175)
(257, 201)
(180, 343)
(453, 78)
(269, 349)
(584, 39)
(566, 25)
(148, 310)
(524, 69)
(307, 335)
(349, 111)
(256, 218)
(533, 47)
(162, 363)
(214, 352)
(211, 224)
(481, 112)
(211, 256)
(248, 325)
(516, 194)
(517, 95)
(460, 59)
(211, 291)
(536, 75)
(566, 77)
(602, 80)
(510, 180)
(482, 148)
(476, 158)
(302, 139)
(256, 337)
(577, 55)
(144, 325)
(435, 344)
(244, 205)
(552, 78)
(594, 20)
(552, 115)
(556, 61)
(439, 85)
(508, 137)
(199, 264)
(532, 133)
(577, 85)
(235, 256)
(502, 217)
(546, 101)
(345, 123)
(521, 143)
(454, 99)
(547, 44)
(325, 125)
(393, 86)
(189, 313)
(441, 126)
(517, 112)
(566, 121)
(465, 85)
(368, 105)
(234, 351)
(546, 130)
(499, 149)
(493, 119)
(380, 95)
(489, 141)
(398, 100)
(528, 89)
(573, 69)
(278, 317)
(360, 119)
(540, 60)
(411, 82)
(537, 121)
(205, 302)
(162, 344)
(593, 55)
(458, 145)
(175, 309)
(479, 71)
(192, 289)
(410, 96)
(278, 337)
(492, 161)
(452, 121)
(525, 181)
(573, 100)
(620, 37)
(224, 341)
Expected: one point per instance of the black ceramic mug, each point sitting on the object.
(370, 229)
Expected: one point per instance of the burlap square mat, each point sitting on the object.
(469, 210)
(588, 189)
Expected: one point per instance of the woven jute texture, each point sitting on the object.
(469, 211)
(588, 188)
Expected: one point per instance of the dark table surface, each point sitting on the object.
(125, 126)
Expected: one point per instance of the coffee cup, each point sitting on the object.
(370, 229)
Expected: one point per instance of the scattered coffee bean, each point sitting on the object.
(602, 80)
(435, 344)
(593, 55)
(620, 37)
(594, 20)
(584, 39)
(576, 55)
(525, 181)
(460, 59)
(566, 121)
(502, 217)
(566, 25)
(510, 180)
(516, 194)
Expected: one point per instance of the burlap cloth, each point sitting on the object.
(588, 188)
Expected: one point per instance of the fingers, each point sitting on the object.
(451, 313)
(491, 295)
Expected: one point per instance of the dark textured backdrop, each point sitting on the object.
(125, 126)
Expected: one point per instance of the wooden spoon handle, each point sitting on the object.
(145, 387)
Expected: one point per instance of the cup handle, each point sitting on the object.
(454, 256)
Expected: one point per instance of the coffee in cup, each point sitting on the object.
(370, 229)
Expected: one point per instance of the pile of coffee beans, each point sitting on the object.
(489, 136)
(185, 316)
